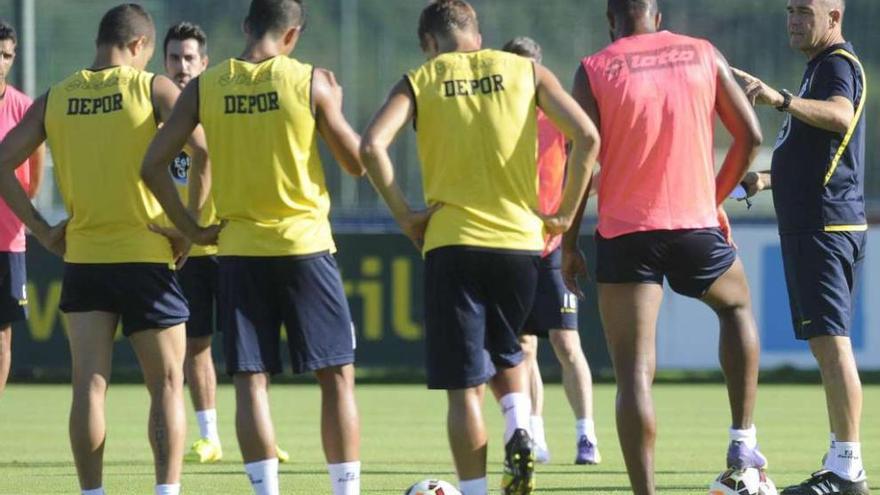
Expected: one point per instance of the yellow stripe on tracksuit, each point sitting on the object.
(855, 121)
(846, 139)
(846, 228)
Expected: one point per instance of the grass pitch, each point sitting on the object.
(404, 440)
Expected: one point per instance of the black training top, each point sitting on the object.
(818, 175)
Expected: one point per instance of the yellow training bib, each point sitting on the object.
(98, 126)
(476, 121)
(267, 178)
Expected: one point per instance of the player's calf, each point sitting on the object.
(5, 356)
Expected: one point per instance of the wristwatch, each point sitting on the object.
(786, 100)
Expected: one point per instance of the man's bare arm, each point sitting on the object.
(37, 165)
(169, 140)
(199, 179)
(741, 122)
(342, 140)
(571, 119)
(397, 111)
(583, 95)
(19, 144)
(834, 114)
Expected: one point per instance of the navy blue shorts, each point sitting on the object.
(555, 307)
(476, 302)
(259, 294)
(198, 278)
(821, 270)
(13, 288)
(146, 296)
(691, 260)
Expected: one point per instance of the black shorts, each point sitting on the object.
(476, 302)
(146, 296)
(555, 307)
(198, 278)
(691, 260)
(821, 271)
(13, 288)
(257, 294)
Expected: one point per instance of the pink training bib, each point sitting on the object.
(551, 173)
(656, 99)
(12, 110)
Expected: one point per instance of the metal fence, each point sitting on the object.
(371, 43)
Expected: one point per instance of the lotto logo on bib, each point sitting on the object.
(663, 58)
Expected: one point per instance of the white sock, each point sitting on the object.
(749, 437)
(345, 478)
(516, 408)
(833, 440)
(845, 460)
(586, 428)
(536, 424)
(208, 424)
(263, 476)
(173, 489)
(479, 486)
(94, 491)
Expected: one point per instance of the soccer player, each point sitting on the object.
(262, 113)
(554, 314)
(13, 275)
(98, 123)
(818, 179)
(186, 57)
(185, 49)
(475, 114)
(656, 95)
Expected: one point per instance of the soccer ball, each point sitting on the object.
(432, 487)
(750, 481)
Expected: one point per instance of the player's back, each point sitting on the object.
(477, 137)
(656, 98)
(99, 124)
(267, 178)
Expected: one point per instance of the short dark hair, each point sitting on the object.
(274, 16)
(631, 8)
(183, 31)
(525, 47)
(7, 32)
(441, 17)
(124, 23)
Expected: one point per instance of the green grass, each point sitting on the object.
(404, 440)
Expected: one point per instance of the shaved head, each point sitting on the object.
(632, 8)
(628, 17)
(125, 23)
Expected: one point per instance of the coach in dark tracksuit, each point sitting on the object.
(817, 177)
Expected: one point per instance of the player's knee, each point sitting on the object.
(735, 311)
(249, 384)
(5, 342)
(336, 378)
(463, 399)
(529, 345)
(89, 386)
(829, 350)
(169, 380)
(567, 346)
(198, 348)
